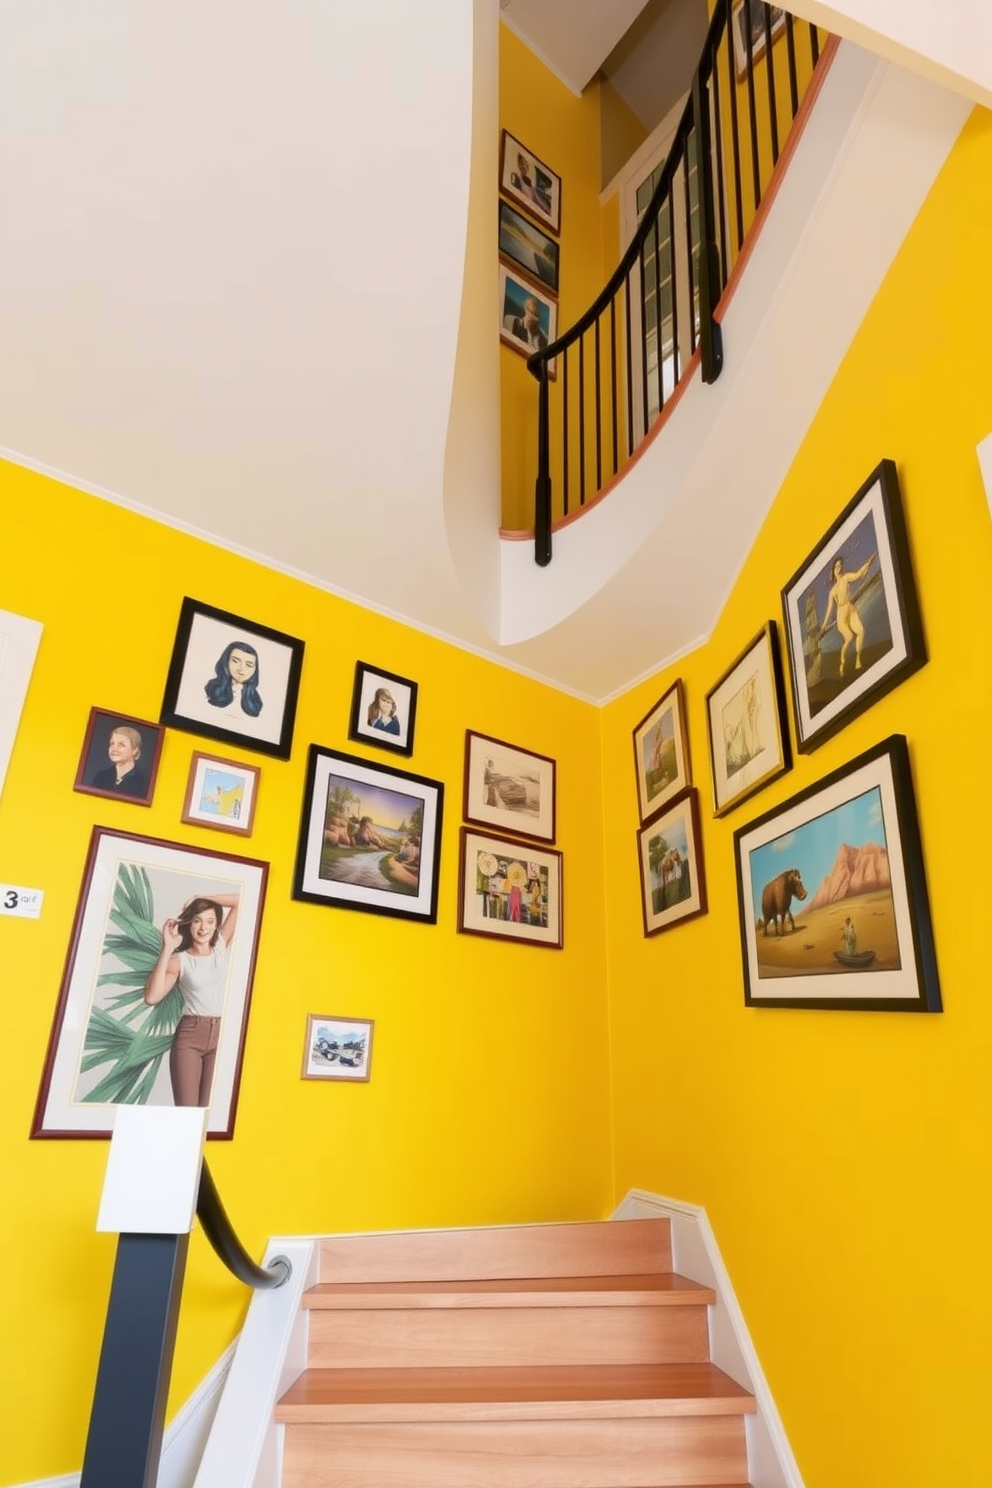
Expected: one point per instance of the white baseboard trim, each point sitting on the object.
(184, 1437)
(695, 1253)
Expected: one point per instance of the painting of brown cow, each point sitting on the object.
(777, 897)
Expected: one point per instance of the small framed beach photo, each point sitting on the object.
(383, 709)
(337, 1048)
(221, 793)
(832, 894)
(661, 753)
(510, 788)
(370, 837)
(524, 246)
(233, 680)
(153, 1005)
(748, 728)
(119, 758)
(852, 619)
(670, 853)
(529, 182)
(509, 890)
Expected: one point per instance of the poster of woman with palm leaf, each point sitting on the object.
(153, 1007)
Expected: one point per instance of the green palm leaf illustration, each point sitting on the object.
(133, 1050)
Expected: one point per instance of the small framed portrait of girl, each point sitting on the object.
(383, 709)
(233, 680)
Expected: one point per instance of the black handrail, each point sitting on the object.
(720, 137)
(220, 1232)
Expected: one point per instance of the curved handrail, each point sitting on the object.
(220, 1232)
(665, 289)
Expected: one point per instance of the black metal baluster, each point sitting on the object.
(734, 127)
(721, 185)
(542, 489)
(582, 419)
(564, 428)
(710, 335)
(814, 44)
(644, 341)
(770, 75)
(688, 239)
(613, 380)
(676, 347)
(599, 419)
(790, 46)
(630, 367)
(752, 109)
(657, 309)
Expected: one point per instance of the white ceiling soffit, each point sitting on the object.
(572, 36)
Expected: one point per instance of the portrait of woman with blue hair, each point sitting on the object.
(234, 684)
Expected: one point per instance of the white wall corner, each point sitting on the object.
(985, 465)
(695, 1253)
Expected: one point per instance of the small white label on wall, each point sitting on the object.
(25, 903)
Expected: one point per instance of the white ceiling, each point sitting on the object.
(235, 292)
(573, 37)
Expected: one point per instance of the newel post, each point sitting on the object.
(149, 1199)
(708, 278)
(542, 486)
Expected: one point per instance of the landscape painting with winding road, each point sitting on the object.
(372, 837)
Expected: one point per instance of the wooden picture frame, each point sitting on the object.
(520, 302)
(509, 890)
(221, 794)
(661, 753)
(512, 789)
(105, 1048)
(527, 249)
(370, 837)
(120, 757)
(233, 680)
(837, 674)
(383, 709)
(337, 1048)
(670, 854)
(748, 723)
(832, 894)
(529, 182)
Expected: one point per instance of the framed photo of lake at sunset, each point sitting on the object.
(832, 894)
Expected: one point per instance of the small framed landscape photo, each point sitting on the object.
(233, 680)
(337, 1048)
(670, 852)
(852, 618)
(131, 1028)
(750, 28)
(509, 788)
(383, 709)
(509, 890)
(834, 911)
(523, 245)
(221, 793)
(529, 182)
(370, 837)
(748, 731)
(119, 757)
(661, 753)
(528, 318)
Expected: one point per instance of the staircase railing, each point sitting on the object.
(627, 357)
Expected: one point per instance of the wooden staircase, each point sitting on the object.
(547, 1356)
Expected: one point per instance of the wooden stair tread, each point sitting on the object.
(655, 1289)
(528, 1392)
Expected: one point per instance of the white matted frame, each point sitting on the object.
(673, 878)
(510, 788)
(337, 1048)
(106, 1048)
(748, 728)
(221, 793)
(661, 753)
(19, 640)
(383, 709)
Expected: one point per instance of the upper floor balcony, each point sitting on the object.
(249, 281)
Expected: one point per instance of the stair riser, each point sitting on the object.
(507, 1336)
(665, 1453)
(624, 1248)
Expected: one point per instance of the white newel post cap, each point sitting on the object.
(153, 1171)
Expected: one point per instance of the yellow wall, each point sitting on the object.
(488, 1099)
(845, 1159)
(564, 132)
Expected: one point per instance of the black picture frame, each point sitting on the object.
(341, 795)
(366, 726)
(832, 894)
(96, 774)
(206, 637)
(870, 542)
